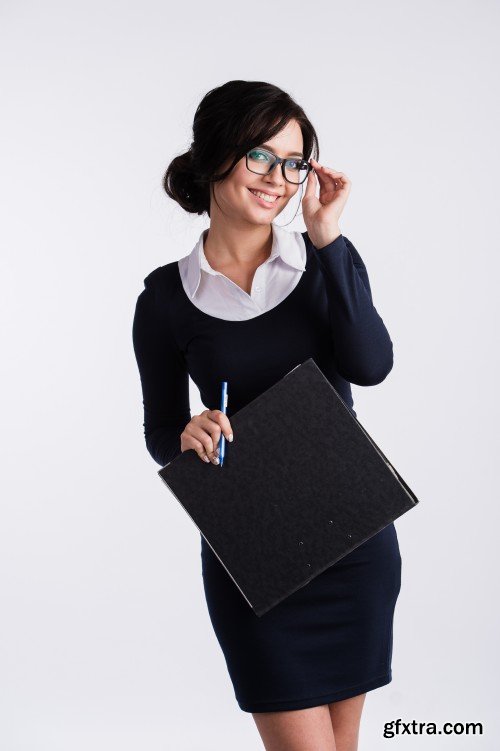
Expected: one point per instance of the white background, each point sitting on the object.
(105, 638)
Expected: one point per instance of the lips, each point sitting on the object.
(267, 192)
(262, 202)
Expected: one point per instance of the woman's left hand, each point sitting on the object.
(321, 215)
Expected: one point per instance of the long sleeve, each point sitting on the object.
(363, 348)
(164, 376)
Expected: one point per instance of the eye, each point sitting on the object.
(257, 155)
(294, 164)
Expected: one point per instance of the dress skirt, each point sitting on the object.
(329, 640)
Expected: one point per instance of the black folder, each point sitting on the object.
(302, 485)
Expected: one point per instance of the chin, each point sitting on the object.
(262, 215)
(263, 221)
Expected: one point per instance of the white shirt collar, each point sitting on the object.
(289, 246)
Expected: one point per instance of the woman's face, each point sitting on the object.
(234, 194)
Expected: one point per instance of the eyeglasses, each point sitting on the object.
(262, 162)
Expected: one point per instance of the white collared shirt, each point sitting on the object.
(216, 294)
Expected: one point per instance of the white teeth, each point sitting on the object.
(265, 196)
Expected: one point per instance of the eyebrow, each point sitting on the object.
(292, 153)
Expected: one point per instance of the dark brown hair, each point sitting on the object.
(229, 121)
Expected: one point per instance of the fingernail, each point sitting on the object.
(206, 459)
(216, 460)
(230, 437)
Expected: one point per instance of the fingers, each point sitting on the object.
(311, 182)
(201, 440)
(203, 432)
(222, 421)
(326, 176)
(211, 435)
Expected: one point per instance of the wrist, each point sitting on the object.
(323, 239)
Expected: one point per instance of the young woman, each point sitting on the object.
(251, 301)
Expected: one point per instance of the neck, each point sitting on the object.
(245, 247)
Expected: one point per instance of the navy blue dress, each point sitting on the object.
(331, 639)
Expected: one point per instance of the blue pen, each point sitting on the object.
(223, 408)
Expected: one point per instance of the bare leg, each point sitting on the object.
(297, 729)
(345, 717)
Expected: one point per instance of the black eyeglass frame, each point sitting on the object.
(281, 161)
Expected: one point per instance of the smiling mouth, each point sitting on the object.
(263, 196)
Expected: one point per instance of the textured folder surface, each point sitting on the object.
(302, 485)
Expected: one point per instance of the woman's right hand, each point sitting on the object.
(203, 432)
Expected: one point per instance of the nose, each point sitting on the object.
(275, 177)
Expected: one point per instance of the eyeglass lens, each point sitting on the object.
(259, 161)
